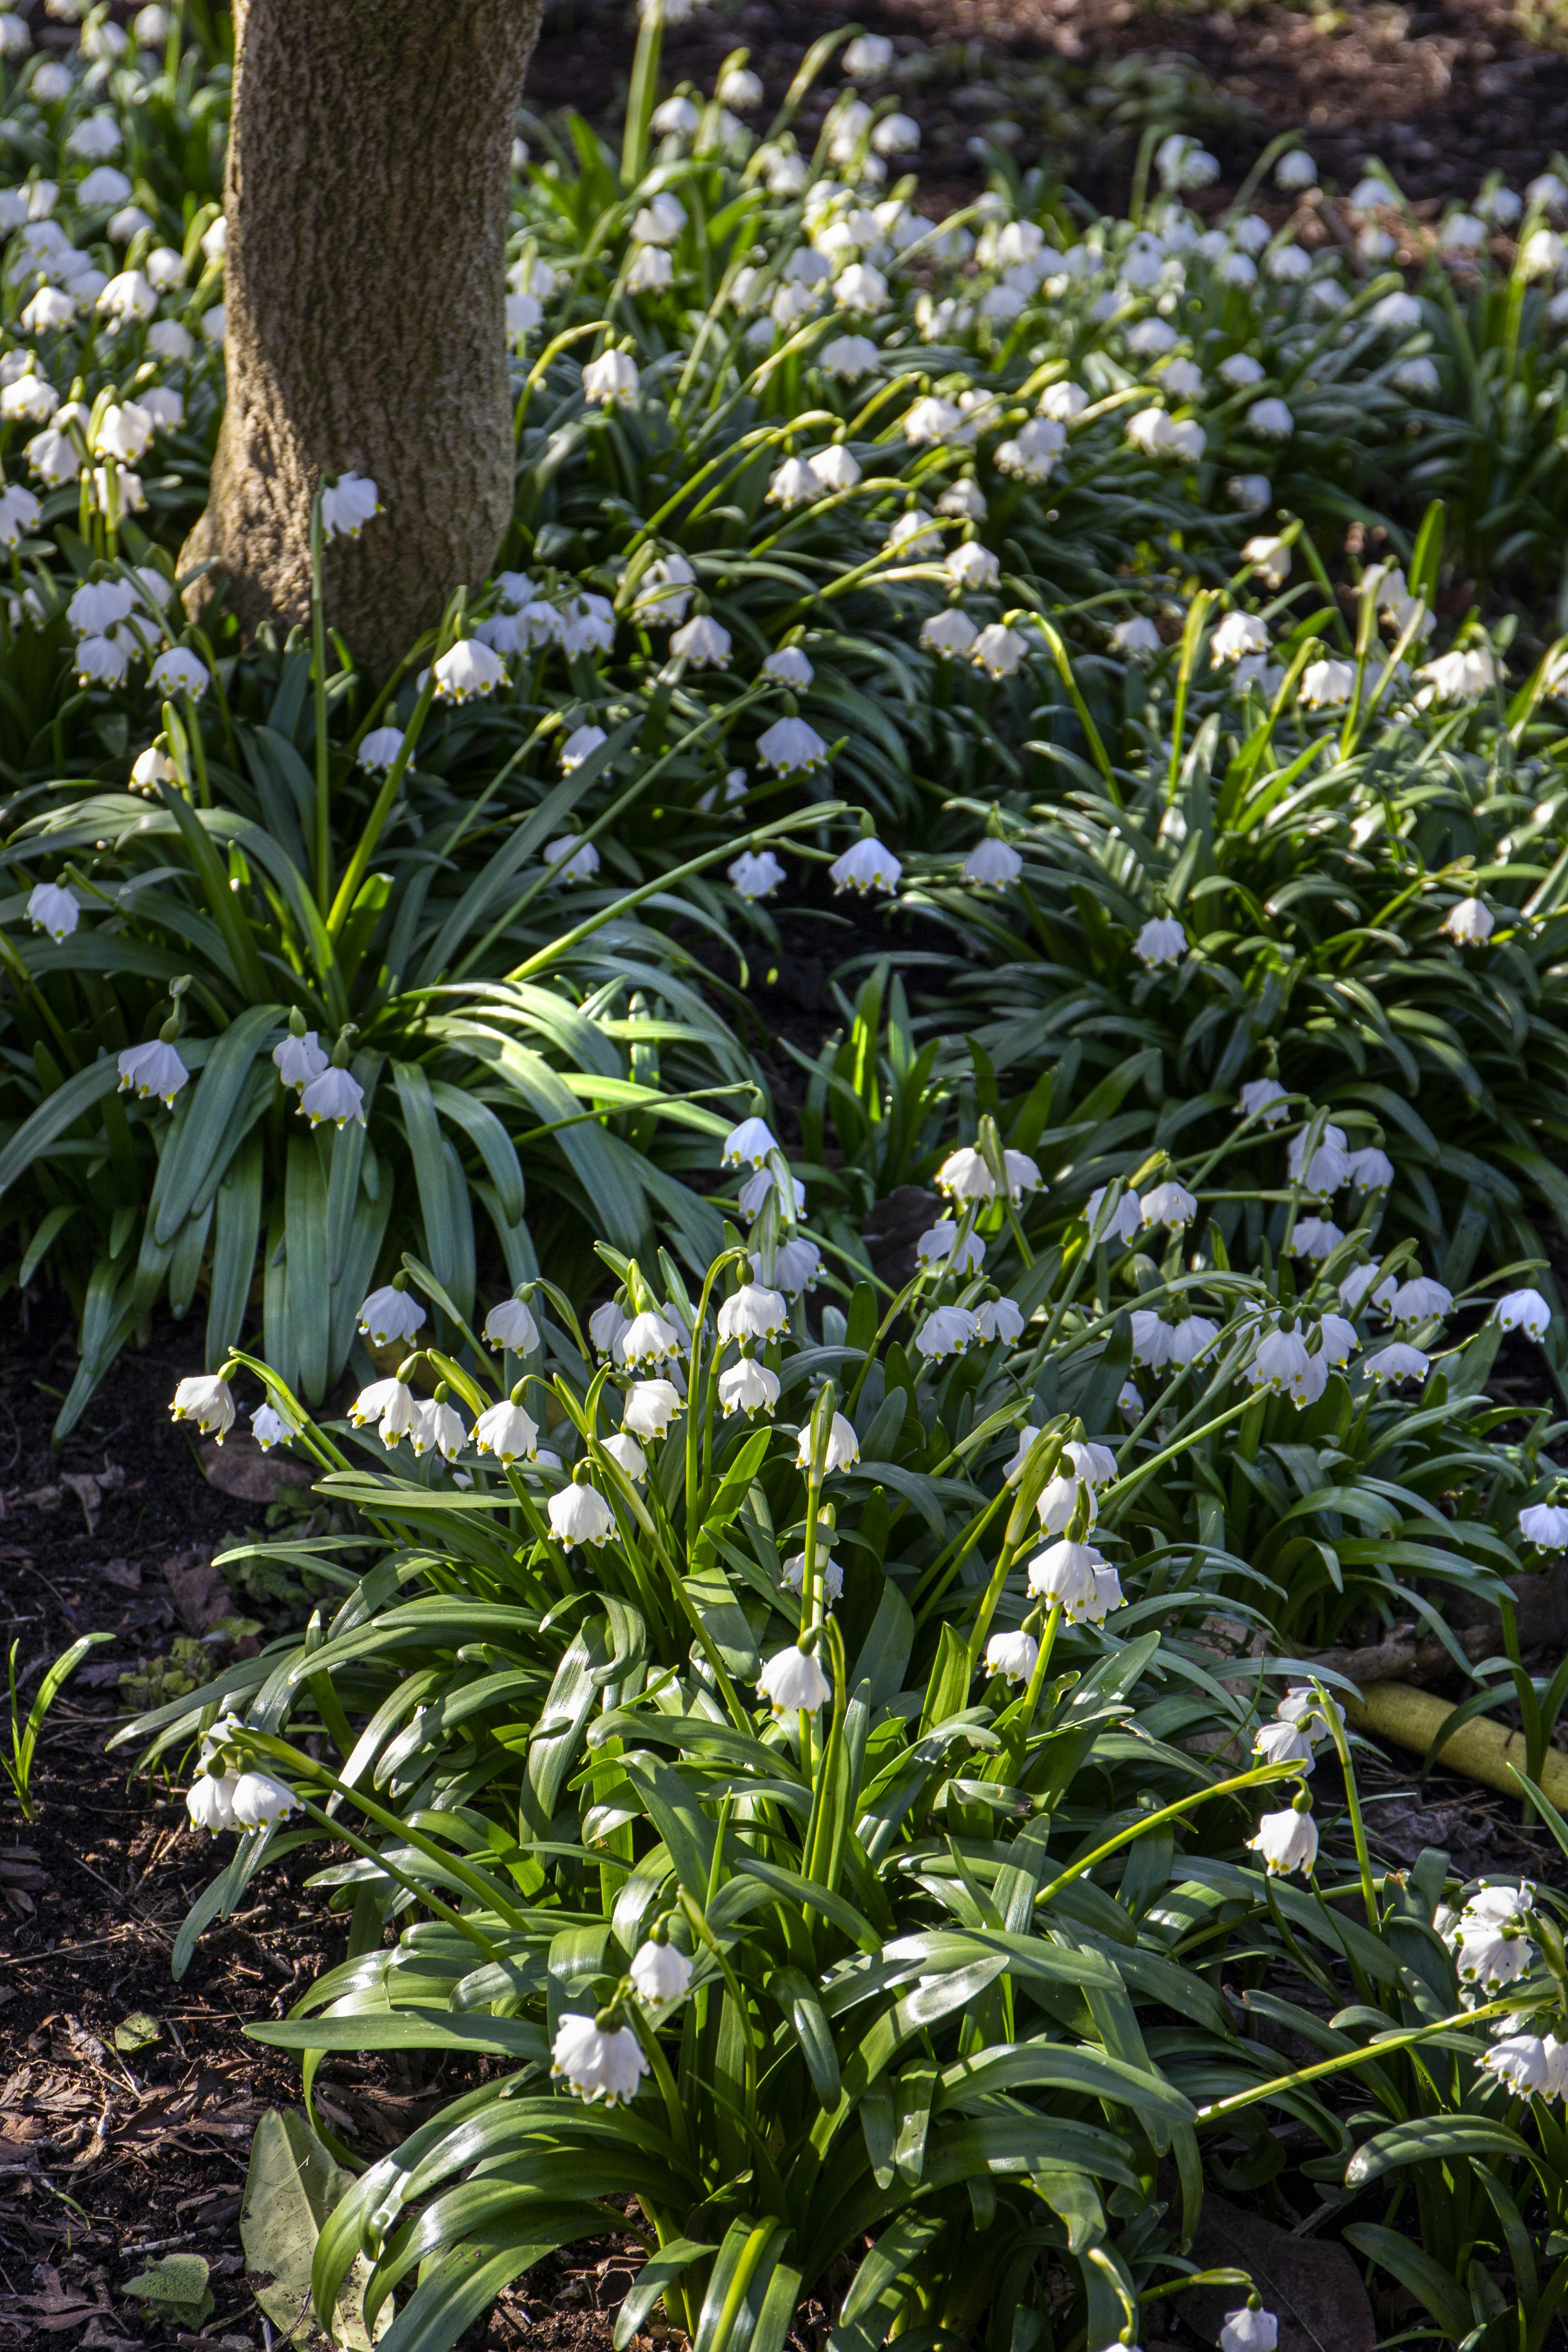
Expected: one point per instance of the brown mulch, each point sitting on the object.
(1444, 92)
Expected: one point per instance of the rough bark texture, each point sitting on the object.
(369, 170)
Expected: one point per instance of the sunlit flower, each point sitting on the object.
(579, 1515)
(507, 1432)
(611, 380)
(347, 505)
(843, 1446)
(998, 650)
(467, 671)
(179, 672)
(1012, 1656)
(1237, 634)
(208, 1401)
(511, 1325)
(1286, 1842)
(649, 1339)
(1063, 1574)
(209, 1801)
(793, 1681)
(946, 1331)
(754, 1312)
(1471, 924)
(1169, 1204)
(258, 1801)
(598, 2063)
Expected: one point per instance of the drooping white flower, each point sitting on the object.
(468, 671)
(299, 1059)
(992, 864)
(624, 1449)
(1058, 1500)
(153, 1070)
(1525, 1310)
(1421, 1299)
(1237, 634)
(573, 858)
(753, 1313)
(440, 1427)
(950, 633)
(1490, 1952)
(791, 746)
(611, 380)
(748, 1145)
(511, 1325)
(579, 1515)
(1064, 1575)
(270, 1427)
(1270, 420)
(756, 874)
(208, 1401)
(946, 1331)
(1284, 1743)
(347, 505)
(1325, 685)
(865, 866)
(998, 650)
(1316, 1237)
(1544, 1525)
(1126, 1219)
(597, 2063)
(102, 661)
(868, 57)
(659, 1971)
(843, 1446)
(748, 1387)
(848, 358)
(1265, 1099)
(1340, 1340)
(402, 1415)
(1285, 1841)
(1369, 1169)
(1152, 1338)
(1397, 1363)
(793, 1681)
(999, 1318)
(938, 1246)
(972, 566)
(390, 1314)
(507, 1432)
(1012, 1656)
(209, 1801)
(53, 908)
(796, 1264)
(378, 752)
(1362, 1279)
(1169, 1204)
(834, 467)
(1471, 924)
(648, 1340)
(1248, 2330)
(703, 643)
(258, 1799)
(1161, 940)
(1327, 1170)
(337, 1095)
(1529, 2065)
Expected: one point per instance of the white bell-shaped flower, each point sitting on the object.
(1286, 1842)
(299, 1059)
(506, 1431)
(598, 2063)
(209, 1801)
(347, 505)
(390, 1314)
(793, 1681)
(628, 1454)
(579, 1515)
(748, 1387)
(259, 1801)
(1012, 1656)
(843, 1446)
(511, 1326)
(753, 1313)
(660, 1973)
(650, 1407)
(208, 1401)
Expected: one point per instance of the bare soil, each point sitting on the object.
(1446, 91)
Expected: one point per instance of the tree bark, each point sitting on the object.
(367, 197)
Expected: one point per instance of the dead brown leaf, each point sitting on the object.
(200, 1596)
(1312, 2285)
(240, 1468)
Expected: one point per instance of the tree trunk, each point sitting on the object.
(367, 196)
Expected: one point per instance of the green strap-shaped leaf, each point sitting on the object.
(401, 2028)
(671, 2264)
(214, 1097)
(802, 2004)
(1417, 2271)
(57, 1113)
(876, 2297)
